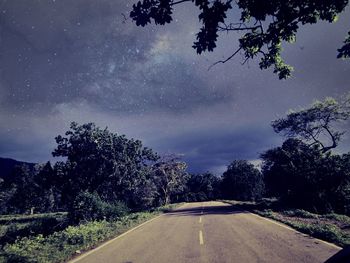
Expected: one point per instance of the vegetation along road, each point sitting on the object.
(211, 232)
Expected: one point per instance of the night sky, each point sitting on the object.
(80, 60)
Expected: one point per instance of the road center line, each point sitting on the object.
(200, 219)
(201, 241)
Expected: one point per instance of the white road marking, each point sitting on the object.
(201, 240)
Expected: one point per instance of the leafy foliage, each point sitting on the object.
(316, 225)
(242, 181)
(304, 177)
(90, 207)
(344, 51)
(15, 227)
(99, 160)
(170, 178)
(62, 245)
(265, 25)
(202, 187)
(316, 123)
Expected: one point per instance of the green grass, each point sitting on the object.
(5, 219)
(63, 245)
(299, 213)
(333, 227)
(13, 227)
(327, 230)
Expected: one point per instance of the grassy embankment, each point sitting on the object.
(332, 227)
(62, 245)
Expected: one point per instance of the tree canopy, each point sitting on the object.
(170, 177)
(242, 181)
(316, 124)
(303, 177)
(264, 25)
(102, 161)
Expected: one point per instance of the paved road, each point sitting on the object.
(211, 232)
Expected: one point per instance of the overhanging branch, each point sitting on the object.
(224, 61)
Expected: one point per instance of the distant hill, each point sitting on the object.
(7, 165)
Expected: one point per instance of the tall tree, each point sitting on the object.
(264, 25)
(316, 124)
(24, 191)
(46, 180)
(202, 187)
(102, 161)
(242, 181)
(304, 177)
(170, 178)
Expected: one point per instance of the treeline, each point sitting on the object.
(104, 175)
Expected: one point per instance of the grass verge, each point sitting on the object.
(333, 228)
(63, 245)
(13, 227)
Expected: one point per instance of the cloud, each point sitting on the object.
(215, 148)
(80, 61)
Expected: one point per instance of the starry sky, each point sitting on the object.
(63, 61)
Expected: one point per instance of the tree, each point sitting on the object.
(46, 181)
(304, 177)
(242, 181)
(286, 167)
(102, 161)
(315, 124)
(202, 187)
(170, 178)
(264, 25)
(24, 191)
(5, 195)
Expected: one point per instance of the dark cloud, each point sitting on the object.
(217, 147)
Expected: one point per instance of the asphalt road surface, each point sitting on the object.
(211, 232)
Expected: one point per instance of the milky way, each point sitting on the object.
(85, 61)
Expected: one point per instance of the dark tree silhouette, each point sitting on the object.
(102, 161)
(202, 187)
(303, 177)
(264, 24)
(316, 123)
(242, 181)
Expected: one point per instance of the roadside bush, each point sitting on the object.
(115, 210)
(299, 213)
(62, 245)
(327, 232)
(89, 206)
(59, 245)
(21, 227)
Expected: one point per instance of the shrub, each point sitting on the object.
(300, 213)
(89, 206)
(46, 224)
(60, 246)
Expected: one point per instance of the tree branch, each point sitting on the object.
(241, 27)
(334, 141)
(224, 61)
(179, 2)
